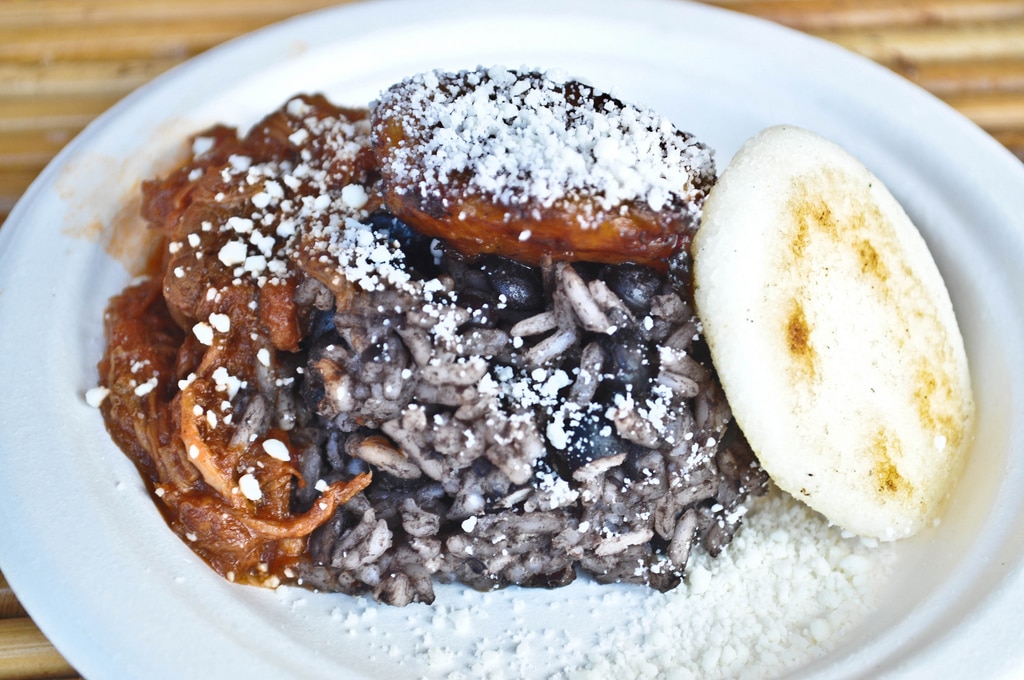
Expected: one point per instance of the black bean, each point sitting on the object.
(320, 324)
(555, 579)
(476, 565)
(630, 363)
(591, 438)
(635, 284)
(521, 284)
(312, 389)
(589, 271)
(454, 264)
(544, 469)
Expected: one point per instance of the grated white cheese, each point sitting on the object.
(94, 396)
(525, 137)
(201, 145)
(145, 388)
(774, 601)
(232, 253)
(220, 322)
(354, 196)
(250, 487)
(226, 382)
(203, 332)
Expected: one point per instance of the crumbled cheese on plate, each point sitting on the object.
(782, 594)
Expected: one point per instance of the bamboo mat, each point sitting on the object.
(63, 62)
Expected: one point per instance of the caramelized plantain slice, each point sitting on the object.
(534, 166)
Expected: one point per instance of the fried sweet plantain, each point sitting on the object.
(531, 166)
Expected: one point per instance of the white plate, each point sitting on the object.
(90, 557)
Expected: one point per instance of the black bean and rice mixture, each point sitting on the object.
(320, 393)
(520, 422)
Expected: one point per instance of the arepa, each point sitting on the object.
(833, 334)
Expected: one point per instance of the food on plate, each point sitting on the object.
(833, 334)
(538, 166)
(335, 380)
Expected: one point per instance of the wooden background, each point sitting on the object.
(63, 62)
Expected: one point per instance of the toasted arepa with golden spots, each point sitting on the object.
(833, 334)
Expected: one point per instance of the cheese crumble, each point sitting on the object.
(524, 137)
(250, 487)
(775, 600)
